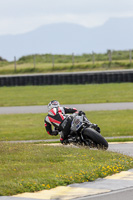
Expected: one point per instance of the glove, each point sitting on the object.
(81, 113)
(55, 132)
(96, 127)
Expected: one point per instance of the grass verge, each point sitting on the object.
(24, 68)
(31, 126)
(120, 140)
(66, 94)
(30, 168)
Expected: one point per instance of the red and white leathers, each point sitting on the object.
(56, 116)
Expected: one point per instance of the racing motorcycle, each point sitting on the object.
(84, 133)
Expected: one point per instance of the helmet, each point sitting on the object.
(53, 104)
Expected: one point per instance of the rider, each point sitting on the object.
(61, 122)
(58, 118)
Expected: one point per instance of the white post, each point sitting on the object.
(15, 63)
(53, 61)
(110, 55)
(34, 61)
(93, 57)
(130, 56)
(72, 58)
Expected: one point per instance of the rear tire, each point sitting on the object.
(96, 138)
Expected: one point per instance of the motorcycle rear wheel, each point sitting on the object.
(90, 134)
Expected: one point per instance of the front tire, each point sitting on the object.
(98, 140)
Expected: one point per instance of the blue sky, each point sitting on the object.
(20, 16)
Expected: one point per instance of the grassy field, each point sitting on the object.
(33, 167)
(66, 94)
(31, 126)
(67, 63)
(63, 67)
(29, 168)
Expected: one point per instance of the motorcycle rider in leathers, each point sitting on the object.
(58, 118)
(61, 122)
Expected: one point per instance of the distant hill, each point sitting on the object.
(66, 38)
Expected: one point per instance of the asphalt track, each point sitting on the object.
(84, 107)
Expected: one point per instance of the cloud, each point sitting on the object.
(22, 7)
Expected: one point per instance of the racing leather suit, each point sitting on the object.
(61, 122)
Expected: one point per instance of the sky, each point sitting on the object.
(21, 16)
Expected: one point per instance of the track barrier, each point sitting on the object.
(68, 78)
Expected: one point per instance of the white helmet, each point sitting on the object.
(53, 104)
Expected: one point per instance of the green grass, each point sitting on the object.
(120, 140)
(30, 168)
(48, 58)
(22, 127)
(31, 126)
(63, 63)
(25, 68)
(66, 94)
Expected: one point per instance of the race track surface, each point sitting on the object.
(84, 107)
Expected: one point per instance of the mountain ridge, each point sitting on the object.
(68, 38)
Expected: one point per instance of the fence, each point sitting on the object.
(68, 78)
(72, 59)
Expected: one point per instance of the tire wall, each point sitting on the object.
(68, 78)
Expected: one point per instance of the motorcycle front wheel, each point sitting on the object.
(96, 138)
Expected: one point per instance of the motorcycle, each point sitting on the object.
(83, 132)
